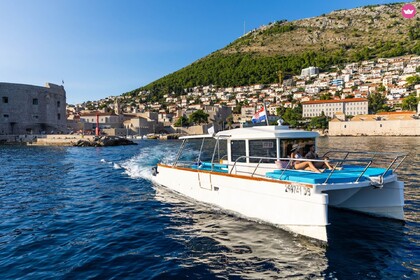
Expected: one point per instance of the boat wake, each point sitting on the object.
(140, 165)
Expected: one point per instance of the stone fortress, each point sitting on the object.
(28, 109)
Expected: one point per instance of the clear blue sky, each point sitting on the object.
(107, 47)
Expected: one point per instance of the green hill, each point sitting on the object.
(333, 39)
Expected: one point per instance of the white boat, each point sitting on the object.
(246, 171)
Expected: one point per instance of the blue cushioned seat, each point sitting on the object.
(348, 174)
(314, 178)
(207, 166)
(371, 171)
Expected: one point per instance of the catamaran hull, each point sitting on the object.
(299, 208)
(385, 201)
(294, 207)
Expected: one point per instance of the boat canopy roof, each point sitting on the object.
(257, 132)
(265, 132)
(201, 136)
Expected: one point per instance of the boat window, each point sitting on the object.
(237, 149)
(263, 148)
(207, 151)
(191, 151)
(221, 151)
(287, 144)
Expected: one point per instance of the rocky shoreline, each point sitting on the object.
(77, 141)
(103, 141)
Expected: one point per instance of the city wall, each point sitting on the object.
(28, 109)
(60, 140)
(375, 128)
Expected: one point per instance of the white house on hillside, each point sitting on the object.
(353, 106)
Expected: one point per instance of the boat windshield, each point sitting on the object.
(200, 150)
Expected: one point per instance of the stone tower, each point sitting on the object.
(117, 106)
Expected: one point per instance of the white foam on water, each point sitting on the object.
(117, 166)
(104, 161)
(140, 166)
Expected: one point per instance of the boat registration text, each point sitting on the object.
(298, 189)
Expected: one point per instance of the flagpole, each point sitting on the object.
(266, 114)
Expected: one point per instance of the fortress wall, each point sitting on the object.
(28, 109)
(373, 128)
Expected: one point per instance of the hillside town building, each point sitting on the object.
(353, 106)
(310, 71)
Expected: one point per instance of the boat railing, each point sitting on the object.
(392, 160)
(285, 164)
(223, 158)
(288, 163)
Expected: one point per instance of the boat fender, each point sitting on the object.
(154, 171)
(377, 182)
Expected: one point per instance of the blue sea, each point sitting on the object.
(93, 213)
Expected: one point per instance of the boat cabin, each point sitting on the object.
(241, 150)
(265, 144)
(265, 152)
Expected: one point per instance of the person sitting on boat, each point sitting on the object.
(313, 155)
(301, 165)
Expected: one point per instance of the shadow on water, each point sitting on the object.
(225, 246)
(362, 247)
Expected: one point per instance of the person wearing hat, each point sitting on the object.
(301, 165)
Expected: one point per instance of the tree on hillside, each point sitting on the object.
(293, 116)
(182, 121)
(410, 102)
(414, 32)
(198, 117)
(229, 121)
(280, 111)
(319, 122)
(381, 88)
(237, 109)
(325, 96)
(413, 80)
(377, 102)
